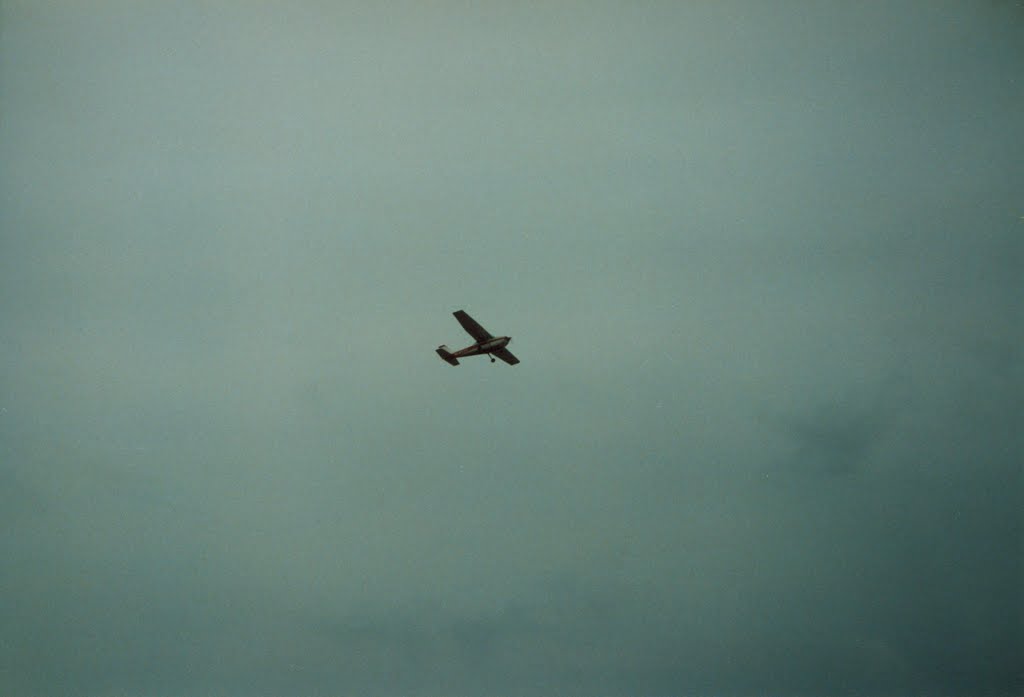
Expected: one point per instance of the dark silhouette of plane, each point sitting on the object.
(485, 343)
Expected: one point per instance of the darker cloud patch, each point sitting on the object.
(837, 437)
(555, 642)
(835, 440)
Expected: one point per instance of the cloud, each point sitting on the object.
(761, 267)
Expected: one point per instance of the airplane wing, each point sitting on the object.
(470, 325)
(506, 355)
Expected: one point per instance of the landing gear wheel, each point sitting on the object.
(492, 359)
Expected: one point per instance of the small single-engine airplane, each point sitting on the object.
(485, 343)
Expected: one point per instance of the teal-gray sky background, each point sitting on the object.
(762, 265)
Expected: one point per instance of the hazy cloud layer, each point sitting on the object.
(762, 264)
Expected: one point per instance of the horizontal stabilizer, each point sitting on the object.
(443, 352)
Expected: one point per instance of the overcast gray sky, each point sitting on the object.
(761, 262)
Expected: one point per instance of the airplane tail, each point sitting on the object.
(443, 352)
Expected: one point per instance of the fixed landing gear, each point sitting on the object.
(491, 357)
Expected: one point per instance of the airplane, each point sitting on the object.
(485, 343)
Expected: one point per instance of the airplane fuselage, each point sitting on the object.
(483, 347)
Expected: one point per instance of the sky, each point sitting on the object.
(762, 264)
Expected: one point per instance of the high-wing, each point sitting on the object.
(505, 355)
(470, 325)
